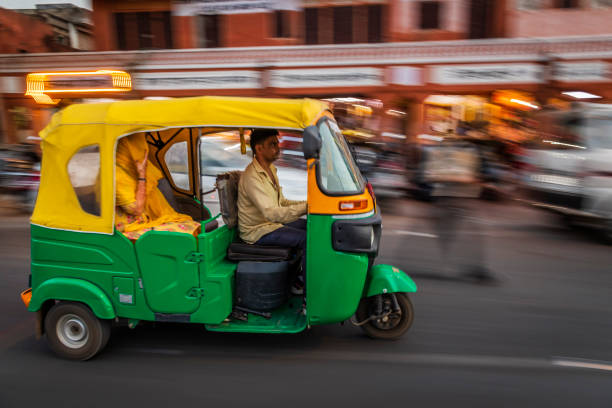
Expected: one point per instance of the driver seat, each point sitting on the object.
(227, 187)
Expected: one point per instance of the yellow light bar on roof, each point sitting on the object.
(40, 85)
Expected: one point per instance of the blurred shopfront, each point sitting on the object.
(400, 89)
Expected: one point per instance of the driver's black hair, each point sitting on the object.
(258, 136)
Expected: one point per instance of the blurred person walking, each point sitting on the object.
(453, 168)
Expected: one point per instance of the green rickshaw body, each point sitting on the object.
(335, 280)
(105, 273)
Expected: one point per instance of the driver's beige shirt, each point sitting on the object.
(262, 208)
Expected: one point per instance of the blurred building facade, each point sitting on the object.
(211, 24)
(71, 24)
(555, 18)
(20, 34)
(424, 61)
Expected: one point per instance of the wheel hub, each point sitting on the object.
(72, 331)
(389, 318)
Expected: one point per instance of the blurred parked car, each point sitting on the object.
(568, 169)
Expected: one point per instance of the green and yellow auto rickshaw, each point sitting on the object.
(86, 274)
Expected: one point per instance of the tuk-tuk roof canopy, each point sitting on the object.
(185, 112)
(100, 125)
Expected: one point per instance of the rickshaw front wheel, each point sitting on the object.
(74, 332)
(387, 316)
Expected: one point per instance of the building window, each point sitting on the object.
(343, 24)
(375, 23)
(311, 25)
(566, 3)
(529, 4)
(601, 3)
(430, 15)
(143, 30)
(210, 36)
(281, 24)
(482, 18)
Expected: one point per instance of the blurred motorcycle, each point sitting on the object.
(20, 175)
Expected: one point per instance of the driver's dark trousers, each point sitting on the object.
(292, 235)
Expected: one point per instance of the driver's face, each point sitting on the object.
(269, 150)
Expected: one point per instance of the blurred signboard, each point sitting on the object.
(485, 74)
(79, 81)
(12, 85)
(408, 76)
(40, 85)
(592, 71)
(239, 79)
(326, 77)
(69, 81)
(203, 7)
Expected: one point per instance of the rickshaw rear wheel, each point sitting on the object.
(386, 323)
(74, 332)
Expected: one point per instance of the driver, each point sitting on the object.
(265, 216)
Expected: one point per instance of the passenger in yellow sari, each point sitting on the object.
(140, 205)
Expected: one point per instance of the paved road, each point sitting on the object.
(540, 335)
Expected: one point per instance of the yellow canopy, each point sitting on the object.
(101, 125)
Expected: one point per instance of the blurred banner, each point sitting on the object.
(233, 7)
(486, 74)
(326, 77)
(241, 79)
(591, 71)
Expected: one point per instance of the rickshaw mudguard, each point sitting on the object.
(388, 279)
(77, 290)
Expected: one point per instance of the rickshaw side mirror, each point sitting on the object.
(311, 143)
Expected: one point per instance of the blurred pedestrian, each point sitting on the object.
(453, 169)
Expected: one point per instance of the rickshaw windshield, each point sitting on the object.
(337, 172)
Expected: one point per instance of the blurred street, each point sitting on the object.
(539, 335)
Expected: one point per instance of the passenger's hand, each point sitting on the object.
(141, 166)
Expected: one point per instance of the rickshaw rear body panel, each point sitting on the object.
(88, 260)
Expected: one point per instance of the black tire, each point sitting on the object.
(396, 326)
(74, 332)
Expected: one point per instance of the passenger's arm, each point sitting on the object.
(270, 210)
(137, 207)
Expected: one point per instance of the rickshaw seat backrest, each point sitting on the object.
(227, 186)
(164, 186)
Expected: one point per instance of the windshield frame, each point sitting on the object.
(349, 161)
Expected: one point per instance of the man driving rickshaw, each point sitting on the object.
(265, 216)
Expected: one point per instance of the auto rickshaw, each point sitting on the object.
(85, 274)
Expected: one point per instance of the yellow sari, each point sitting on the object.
(157, 215)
